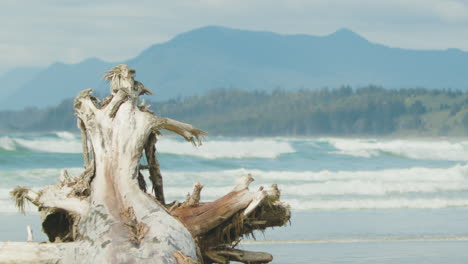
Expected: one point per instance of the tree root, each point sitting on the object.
(224, 255)
(153, 167)
(220, 225)
(105, 214)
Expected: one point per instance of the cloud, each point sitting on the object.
(72, 30)
(452, 11)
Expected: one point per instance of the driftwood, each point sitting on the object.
(106, 215)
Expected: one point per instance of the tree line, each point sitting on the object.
(370, 110)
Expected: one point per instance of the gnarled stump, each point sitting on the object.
(105, 215)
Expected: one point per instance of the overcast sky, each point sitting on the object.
(39, 32)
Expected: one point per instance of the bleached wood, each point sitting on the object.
(57, 196)
(256, 200)
(243, 182)
(33, 253)
(201, 219)
(30, 234)
(244, 256)
(193, 199)
(187, 131)
(118, 133)
(106, 210)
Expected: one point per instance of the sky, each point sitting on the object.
(38, 33)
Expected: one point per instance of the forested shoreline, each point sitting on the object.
(344, 111)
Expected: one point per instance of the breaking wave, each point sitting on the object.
(6, 143)
(307, 190)
(41, 144)
(65, 142)
(457, 174)
(265, 148)
(216, 149)
(65, 135)
(33, 177)
(414, 149)
(392, 188)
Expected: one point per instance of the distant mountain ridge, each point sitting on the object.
(218, 57)
(14, 79)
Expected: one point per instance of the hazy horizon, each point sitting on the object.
(72, 31)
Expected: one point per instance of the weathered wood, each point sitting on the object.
(105, 214)
(183, 259)
(193, 199)
(30, 234)
(187, 131)
(153, 167)
(227, 254)
(201, 219)
(32, 253)
(84, 142)
(141, 182)
(118, 133)
(54, 196)
(225, 221)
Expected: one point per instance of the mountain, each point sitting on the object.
(55, 83)
(216, 57)
(14, 79)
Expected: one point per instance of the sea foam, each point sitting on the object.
(457, 174)
(391, 186)
(66, 142)
(65, 135)
(414, 149)
(306, 190)
(234, 149)
(6, 143)
(41, 144)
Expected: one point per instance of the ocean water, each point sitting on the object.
(354, 200)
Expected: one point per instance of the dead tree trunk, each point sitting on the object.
(105, 215)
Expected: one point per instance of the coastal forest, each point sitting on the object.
(344, 111)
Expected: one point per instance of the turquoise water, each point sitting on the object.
(390, 252)
(353, 200)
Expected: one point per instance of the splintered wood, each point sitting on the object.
(106, 214)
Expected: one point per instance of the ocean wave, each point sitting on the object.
(267, 148)
(7, 206)
(337, 189)
(310, 184)
(6, 143)
(397, 203)
(34, 177)
(457, 173)
(5, 193)
(414, 149)
(65, 142)
(369, 188)
(65, 135)
(51, 145)
(42, 144)
(306, 190)
(216, 149)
